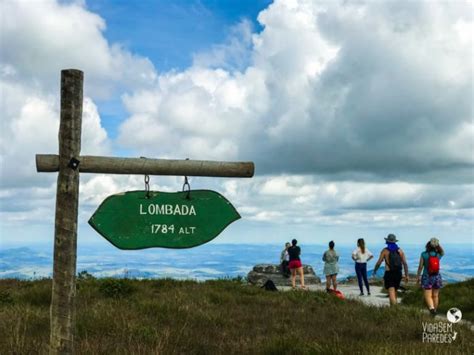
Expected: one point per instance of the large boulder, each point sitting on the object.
(263, 272)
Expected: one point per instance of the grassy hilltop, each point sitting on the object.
(121, 316)
(459, 295)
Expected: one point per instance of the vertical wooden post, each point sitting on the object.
(65, 229)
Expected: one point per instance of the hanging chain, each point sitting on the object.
(147, 186)
(147, 183)
(186, 185)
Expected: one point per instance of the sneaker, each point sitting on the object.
(433, 312)
(361, 294)
(368, 293)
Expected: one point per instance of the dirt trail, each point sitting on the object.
(377, 297)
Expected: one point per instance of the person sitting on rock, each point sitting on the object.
(295, 264)
(285, 260)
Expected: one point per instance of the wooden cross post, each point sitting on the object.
(69, 163)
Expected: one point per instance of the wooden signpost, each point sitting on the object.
(69, 163)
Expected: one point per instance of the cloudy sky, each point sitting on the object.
(358, 115)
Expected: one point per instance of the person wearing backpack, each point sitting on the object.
(394, 259)
(431, 280)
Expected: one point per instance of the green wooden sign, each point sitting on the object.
(133, 220)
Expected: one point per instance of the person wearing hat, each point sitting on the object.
(431, 280)
(394, 259)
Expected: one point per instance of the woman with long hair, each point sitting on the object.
(431, 280)
(331, 267)
(295, 265)
(361, 256)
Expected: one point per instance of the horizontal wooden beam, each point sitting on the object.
(146, 166)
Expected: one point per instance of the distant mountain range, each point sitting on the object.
(210, 261)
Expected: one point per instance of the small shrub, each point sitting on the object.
(144, 334)
(287, 345)
(85, 281)
(116, 288)
(84, 276)
(6, 298)
(37, 294)
(237, 279)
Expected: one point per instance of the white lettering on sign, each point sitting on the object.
(169, 229)
(174, 210)
(186, 230)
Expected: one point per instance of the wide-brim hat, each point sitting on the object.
(434, 242)
(391, 238)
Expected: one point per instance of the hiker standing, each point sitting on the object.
(431, 281)
(295, 264)
(361, 256)
(285, 260)
(331, 266)
(394, 258)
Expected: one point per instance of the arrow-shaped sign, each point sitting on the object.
(138, 220)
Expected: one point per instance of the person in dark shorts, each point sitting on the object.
(431, 280)
(295, 264)
(394, 259)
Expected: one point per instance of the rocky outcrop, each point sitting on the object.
(263, 272)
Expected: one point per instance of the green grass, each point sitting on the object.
(215, 317)
(459, 295)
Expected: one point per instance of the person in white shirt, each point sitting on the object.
(361, 256)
